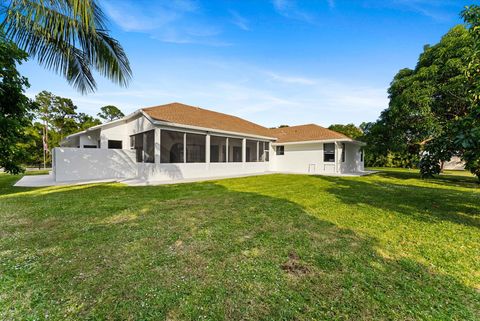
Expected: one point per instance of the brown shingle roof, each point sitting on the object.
(199, 117)
(195, 116)
(304, 133)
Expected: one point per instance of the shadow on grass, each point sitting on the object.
(442, 179)
(200, 250)
(427, 204)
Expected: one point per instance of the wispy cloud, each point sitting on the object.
(239, 21)
(441, 11)
(174, 21)
(290, 9)
(291, 79)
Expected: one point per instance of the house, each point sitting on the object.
(177, 141)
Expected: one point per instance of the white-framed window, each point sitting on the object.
(329, 152)
(280, 150)
(343, 152)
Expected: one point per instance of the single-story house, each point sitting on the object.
(177, 141)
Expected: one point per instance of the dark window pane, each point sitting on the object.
(138, 146)
(218, 149)
(149, 146)
(171, 147)
(329, 152)
(89, 146)
(234, 150)
(280, 150)
(195, 148)
(343, 152)
(115, 144)
(252, 155)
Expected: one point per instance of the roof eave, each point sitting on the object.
(207, 129)
(331, 140)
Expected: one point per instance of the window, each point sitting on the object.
(196, 148)
(343, 152)
(361, 154)
(144, 145)
(252, 151)
(218, 149)
(280, 150)
(171, 144)
(114, 144)
(264, 148)
(234, 150)
(329, 152)
(89, 146)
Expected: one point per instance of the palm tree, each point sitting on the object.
(69, 37)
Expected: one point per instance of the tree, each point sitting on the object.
(15, 107)
(109, 113)
(60, 118)
(349, 130)
(460, 133)
(69, 37)
(426, 102)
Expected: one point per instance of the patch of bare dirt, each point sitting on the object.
(293, 266)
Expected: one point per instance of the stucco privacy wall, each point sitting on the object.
(165, 172)
(74, 164)
(77, 164)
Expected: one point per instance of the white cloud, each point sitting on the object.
(177, 21)
(239, 21)
(290, 9)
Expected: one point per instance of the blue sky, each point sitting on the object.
(269, 61)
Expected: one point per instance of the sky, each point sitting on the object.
(273, 62)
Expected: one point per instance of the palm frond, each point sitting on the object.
(68, 37)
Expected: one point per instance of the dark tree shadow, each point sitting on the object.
(200, 250)
(428, 204)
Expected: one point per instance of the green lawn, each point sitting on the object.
(275, 247)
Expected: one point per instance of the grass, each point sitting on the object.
(274, 247)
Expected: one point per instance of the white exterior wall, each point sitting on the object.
(77, 164)
(307, 158)
(302, 158)
(89, 139)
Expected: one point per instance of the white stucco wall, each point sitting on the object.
(76, 164)
(89, 139)
(302, 158)
(308, 159)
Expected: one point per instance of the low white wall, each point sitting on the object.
(165, 172)
(76, 164)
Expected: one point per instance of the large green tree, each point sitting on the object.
(69, 37)
(425, 103)
(109, 113)
(460, 119)
(349, 130)
(15, 108)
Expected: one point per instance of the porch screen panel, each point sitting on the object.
(264, 148)
(196, 145)
(234, 150)
(136, 142)
(218, 149)
(171, 146)
(329, 152)
(252, 151)
(149, 147)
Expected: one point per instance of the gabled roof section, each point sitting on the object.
(195, 116)
(309, 132)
